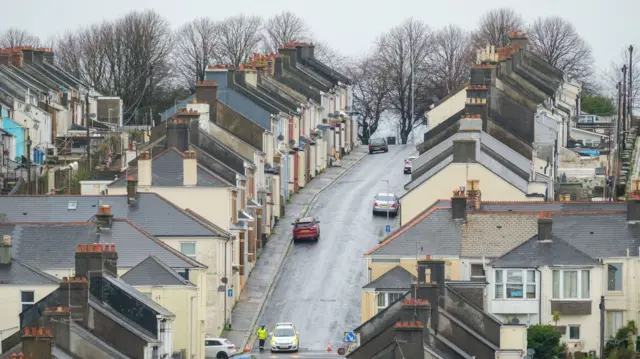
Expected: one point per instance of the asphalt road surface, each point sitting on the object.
(318, 288)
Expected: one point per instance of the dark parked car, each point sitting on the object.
(306, 228)
(378, 144)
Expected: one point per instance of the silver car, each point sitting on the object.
(384, 203)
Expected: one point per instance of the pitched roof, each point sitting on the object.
(52, 245)
(125, 287)
(433, 233)
(497, 157)
(122, 321)
(395, 278)
(151, 212)
(224, 233)
(153, 272)
(97, 342)
(168, 171)
(20, 273)
(534, 253)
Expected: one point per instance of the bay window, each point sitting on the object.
(385, 299)
(571, 284)
(515, 284)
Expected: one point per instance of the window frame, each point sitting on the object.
(608, 329)
(484, 271)
(386, 299)
(621, 277)
(195, 249)
(573, 326)
(580, 272)
(29, 303)
(524, 283)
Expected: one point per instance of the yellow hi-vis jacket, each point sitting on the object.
(262, 333)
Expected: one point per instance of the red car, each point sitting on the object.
(306, 228)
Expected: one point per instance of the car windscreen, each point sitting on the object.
(284, 332)
(304, 224)
(377, 142)
(385, 198)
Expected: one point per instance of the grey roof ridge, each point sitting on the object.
(328, 72)
(164, 245)
(220, 128)
(213, 138)
(72, 77)
(169, 270)
(535, 238)
(113, 350)
(26, 81)
(312, 74)
(138, 295)
(47, 73)
(277, 84)
(23, 73)
(109, 312)
(37, 271)
(215, 159)
(398, 267)
(167, 150)
(208, 223)
(468, 329)
(450, 344)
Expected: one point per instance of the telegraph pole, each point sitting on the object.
(602, 327)
(86, 116)
(629, 101)
(28, 163)
(624, 105)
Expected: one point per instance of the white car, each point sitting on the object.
(219, 348)
(284, 338)
(407, 164)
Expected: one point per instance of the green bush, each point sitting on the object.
(545, 340)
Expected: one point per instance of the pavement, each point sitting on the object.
(245, 313)
(319, 285)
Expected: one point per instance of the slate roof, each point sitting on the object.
(151, 212)
(395, 278)
(99, 343)
(168, 171)
(20, 273)
(538, 206)
(534, 253)
(433, 232)
(113, 315)
(52, 245)
(490, 153)
(153, 272)
(122, 285)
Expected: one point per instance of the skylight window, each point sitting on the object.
(72, 205)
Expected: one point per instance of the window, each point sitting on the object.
(515, 284)
(188, 249)
(574, 332)
(387, 298)
(613, 323)
(477, 270)
(184, 273)
(212, 343)
(571, 284)
(27, 298)
(614, 277)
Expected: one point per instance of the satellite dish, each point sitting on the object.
(92, 115)
(224, 280)
(515, 321)
(280, 137)
(292, 143)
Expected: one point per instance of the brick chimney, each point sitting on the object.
(459, 205)
(144, 169)
(92, 259)
(58, 318)
(74, 293)
(474, 195)
(430, 285)
(132, 189)
(207, 91)
(416, 310)
(545, 226)
(633, 210)
(410, 338)
(178, 129)
(37, 343)
(104, 217)
(5, 249)
(289, 50)
(190, 168)
(519, 39)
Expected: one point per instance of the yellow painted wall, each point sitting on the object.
(368, 305)
(627, 299)
(12, 304)
(447, 108)
(441, 186)
(187, 324)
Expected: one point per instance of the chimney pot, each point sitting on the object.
(545, 226)
(6, 240)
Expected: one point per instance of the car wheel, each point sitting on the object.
(222, 355)
(370, 152)
(386, 150)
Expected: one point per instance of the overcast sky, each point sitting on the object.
(350, 26)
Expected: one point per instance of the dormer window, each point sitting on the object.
(72, 205)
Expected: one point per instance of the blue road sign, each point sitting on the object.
(388, 228)
(349, 337)
(230, 292)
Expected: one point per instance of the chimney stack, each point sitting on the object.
(459, 205)
(519, 40)
(132, 189)
(74, 294)
(93, 259)
(464, 150)
(289, 50)
(104, 217)
(633, 210)
(545, 225)
(473, 194)
(190, 169)
(207, 91)
(144, 168)
(37, 343)
(410, 335)
(5, 249)
(178, 129)
(58, 319)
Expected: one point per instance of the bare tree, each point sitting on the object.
(196, 47)
(371, 85)
(558, 43)
(403, 48)
(282, 28)
(240, 36)
(451, 58)
(495, 25)
(330, 56)
(81, 53)
(613, 75)
(14, 37)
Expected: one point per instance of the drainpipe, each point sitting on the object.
(191, 325)
(225, 275)
(539, 296)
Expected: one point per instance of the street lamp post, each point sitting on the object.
(28, 163)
